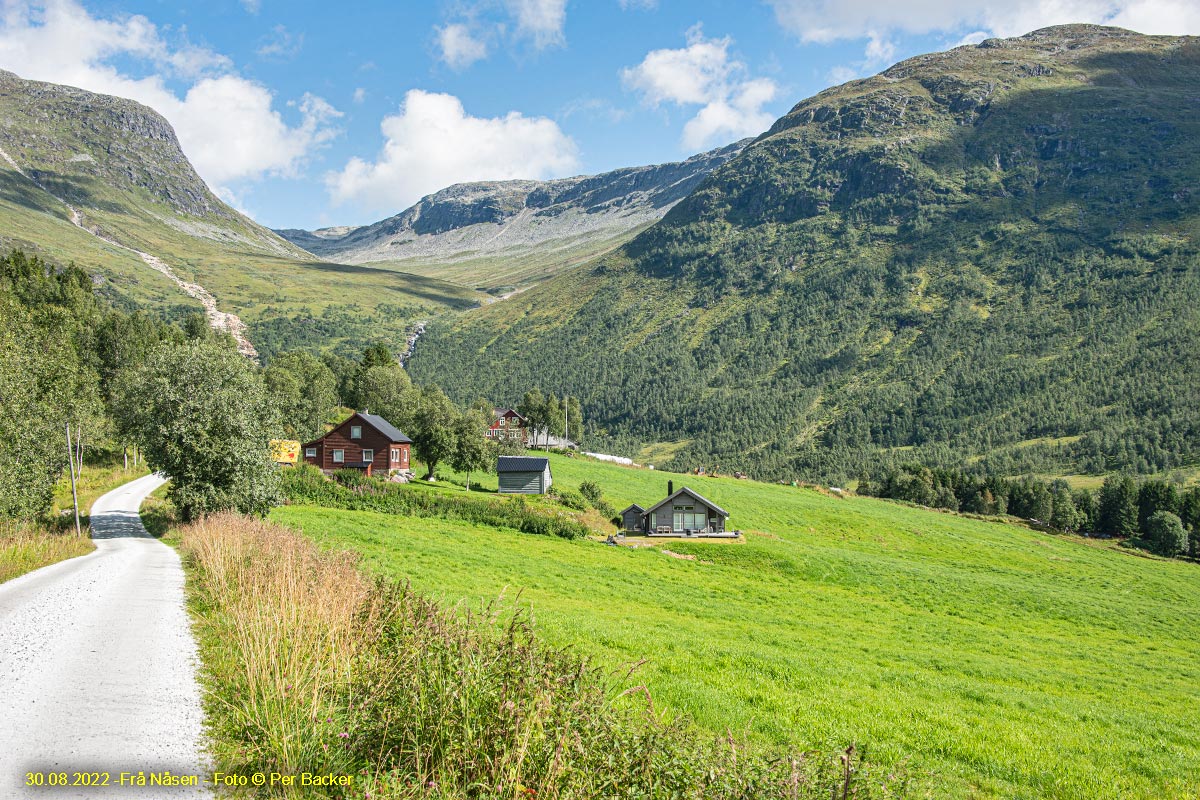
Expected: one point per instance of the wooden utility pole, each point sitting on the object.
(74, 490)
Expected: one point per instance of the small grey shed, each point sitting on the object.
(523, 474)
(633, 519)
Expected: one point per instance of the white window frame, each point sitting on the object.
(356, 431)
(310, 452)
(365, 457)
(339, 456)
(396, 454)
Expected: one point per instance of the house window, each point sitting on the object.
(368, 455)
(339, 456)
(689, 520)
(395, 454)
(310, 452)
(356, 431)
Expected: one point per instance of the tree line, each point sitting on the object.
(197, 410)
(1153, 514)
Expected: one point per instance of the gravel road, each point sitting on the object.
(98, 663)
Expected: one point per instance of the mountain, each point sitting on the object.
(986, 256)
(102, 181)
(499, 235)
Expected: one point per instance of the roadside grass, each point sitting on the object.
(24, 548)
(312, 665)
(1003, 662)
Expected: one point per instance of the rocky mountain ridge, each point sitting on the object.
(473, 220)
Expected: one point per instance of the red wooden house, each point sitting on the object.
(365, 441)
(508, 425)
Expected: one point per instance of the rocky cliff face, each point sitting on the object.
(470, 220)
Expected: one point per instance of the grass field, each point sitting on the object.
(999, 661)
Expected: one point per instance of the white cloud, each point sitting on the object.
(460, 48)
(540, 20)
(830, 20)
(703, 74)
(280, 43)
(227, 125)
(879, 52)
(644, 5)
(360, 94)
(432, 143)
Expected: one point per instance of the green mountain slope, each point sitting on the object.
(983, 254)
(101, 181)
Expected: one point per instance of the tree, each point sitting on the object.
(1118, 506)
(433, 428)
(199, 411)
(41, 386)
(386, 389)
(1065, 515)
(574, 419)
(1165, 534)
(304, 390)
(533, 408)
(1189, 514)
(472, 451)
(1156, 496)
(1087, 504)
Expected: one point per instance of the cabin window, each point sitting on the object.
(339, 456)
(395, 455)
(356, 431)
(368, 455)
(310, 452)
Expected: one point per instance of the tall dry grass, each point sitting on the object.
(311, 666)
(281, 625)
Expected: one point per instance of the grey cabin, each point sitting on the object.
(523, 474)
(634, 519)
(680, 513)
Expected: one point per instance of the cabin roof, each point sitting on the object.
(521, 464)
(389, 430)
(697, 497)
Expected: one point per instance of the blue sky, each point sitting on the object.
(307, 114)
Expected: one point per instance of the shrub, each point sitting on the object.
(1165, 534)
(307, 485)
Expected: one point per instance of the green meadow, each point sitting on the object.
(995, 661)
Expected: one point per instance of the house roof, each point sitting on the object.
(389, 430)
(634, 507)
(521, 464)
(503, 412)
(698, 498)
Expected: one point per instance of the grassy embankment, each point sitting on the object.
(24, 548)
(1001, 661)
(312, 665)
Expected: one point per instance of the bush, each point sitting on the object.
(307, 485)
(1165, 534)
(569, 498)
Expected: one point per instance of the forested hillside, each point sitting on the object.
(984, 257)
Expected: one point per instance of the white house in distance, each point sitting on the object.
(523, 474)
